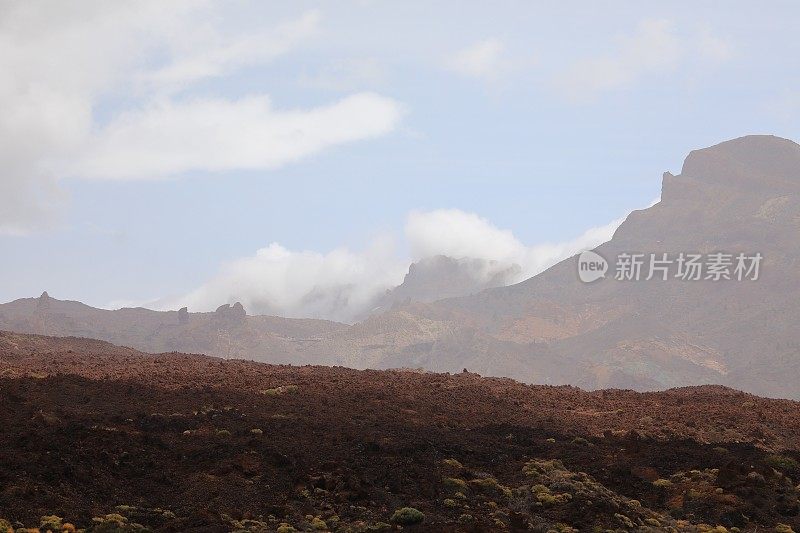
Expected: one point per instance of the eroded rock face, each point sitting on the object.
(43, 302)
(231, 313)
(439, 277)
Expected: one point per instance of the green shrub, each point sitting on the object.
(454, 484)
(781, 463)
(407, 516)
(51, 523)
(115, 523)
(453, 463)
(540, 467)
(491, 486)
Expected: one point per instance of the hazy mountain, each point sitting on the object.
(230, 331)
(227, 332)
(439, 277)
(741, 196)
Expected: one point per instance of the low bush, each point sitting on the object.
(407, 516)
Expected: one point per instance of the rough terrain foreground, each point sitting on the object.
(105, 438)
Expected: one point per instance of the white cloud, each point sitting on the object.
(342, 284)
(171, 138)
(204, 54)
(654, 47)
(62, 64)
(484, 60)
(337, 285)
(458, 234)
(53, 68)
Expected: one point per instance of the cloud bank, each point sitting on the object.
(106, 92)
(172, 138)
(342, 284)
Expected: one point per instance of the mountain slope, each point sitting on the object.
(741, 196)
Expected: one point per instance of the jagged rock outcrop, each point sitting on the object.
(231, 314)
(439, 277)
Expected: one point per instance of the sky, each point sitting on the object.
(284, 154)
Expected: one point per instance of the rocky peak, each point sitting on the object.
(229, 312)
(43, 301)
(755, 160)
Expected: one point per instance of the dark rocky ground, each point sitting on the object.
(109, 439)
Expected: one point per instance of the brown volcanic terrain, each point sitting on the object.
(739, 196)
(181, 442)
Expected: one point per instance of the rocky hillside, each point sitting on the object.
(110, 439)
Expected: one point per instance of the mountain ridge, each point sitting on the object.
(739, 196)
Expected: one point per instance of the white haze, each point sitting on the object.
(62, 63)
(343, 284)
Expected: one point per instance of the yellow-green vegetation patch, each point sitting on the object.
(541, 467)
(546, 497)
(407, 516)
(454, 484)
(52, 523)
(781, 463)
(490, 485)
(318, 524)
(453, 463)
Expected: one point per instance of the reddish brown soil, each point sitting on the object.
(87, 427)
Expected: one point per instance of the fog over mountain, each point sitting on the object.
(741, 196)
(345, 285)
